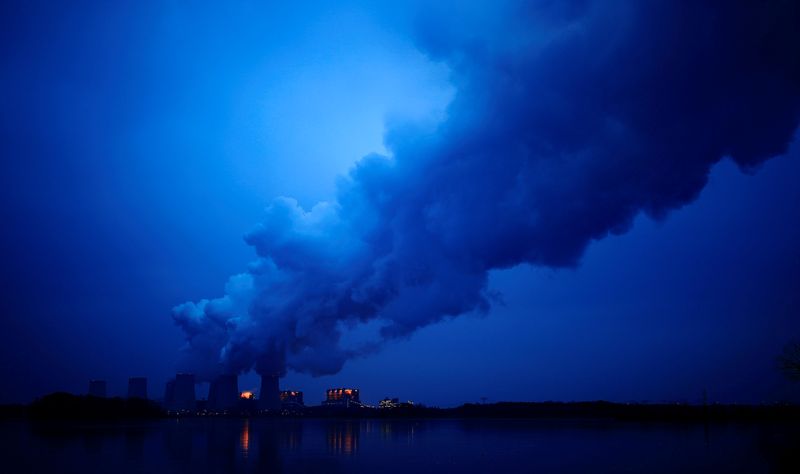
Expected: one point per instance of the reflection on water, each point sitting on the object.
(264, 445)
(343, 437)
(397, 432)
(292, 436)
(244, 439)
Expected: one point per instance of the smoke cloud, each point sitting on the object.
(569, 120)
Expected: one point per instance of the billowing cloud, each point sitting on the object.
(570, 119)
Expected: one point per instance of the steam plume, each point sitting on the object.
(570, 119)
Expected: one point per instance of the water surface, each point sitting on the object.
(396, 446)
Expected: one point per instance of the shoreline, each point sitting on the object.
(62, 406)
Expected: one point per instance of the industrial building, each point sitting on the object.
(137, 387)
(394, 403)
(342, 397)
(97, 388)
(291, 397)
(247, 395)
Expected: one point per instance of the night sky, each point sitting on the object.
(541, 200)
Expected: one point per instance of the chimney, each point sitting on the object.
(97, 388)
(223, 394)
(137, 387)
(269, 396)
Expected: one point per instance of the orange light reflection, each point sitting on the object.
(244, 438)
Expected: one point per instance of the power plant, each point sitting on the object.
(137, 387)
(224, 397)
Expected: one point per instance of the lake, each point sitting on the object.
(197, 445)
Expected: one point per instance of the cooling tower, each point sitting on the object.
(223, 394)
(183, 399)
(137, 387)
(97, 388)
(269, 396)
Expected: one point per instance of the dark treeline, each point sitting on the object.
(79, 407)
(62, 405)
(580, 410)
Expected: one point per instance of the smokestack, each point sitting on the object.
(137, 387)
(97, 388)
(183, 398)
(269, 396)
(223, 394)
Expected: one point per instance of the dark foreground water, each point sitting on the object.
(386, 446)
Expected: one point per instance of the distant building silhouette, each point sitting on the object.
(223, 393)
(269, 396)
(137, 387)
(97, 388)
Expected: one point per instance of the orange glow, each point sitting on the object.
(288, 395)
(342, 393)
(244, 437)
(247, 395)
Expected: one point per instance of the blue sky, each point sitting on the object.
(141, 142)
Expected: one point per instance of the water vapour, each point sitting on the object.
(569, 120)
